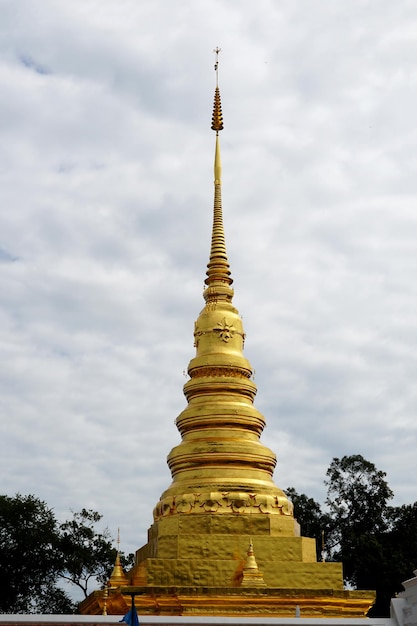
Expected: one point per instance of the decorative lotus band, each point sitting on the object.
(217, 502)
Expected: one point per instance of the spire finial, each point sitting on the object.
(218, 279)
(216, 64)
(217, 119)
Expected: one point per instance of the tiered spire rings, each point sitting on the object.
(220, 466)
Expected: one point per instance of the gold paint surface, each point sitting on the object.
(223, 508)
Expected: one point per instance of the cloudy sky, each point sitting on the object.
(106, 168)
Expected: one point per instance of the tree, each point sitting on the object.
(86, 553)
(357, 493)
(30, 558)
(357, 497)
(399, 556)
(375, 542)
(402, 537)
(384, 559)
(36, 553)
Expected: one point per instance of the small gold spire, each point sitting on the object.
(252, 576)
(118, 576)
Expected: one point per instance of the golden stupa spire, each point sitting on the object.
(218, 279)
(220, 467)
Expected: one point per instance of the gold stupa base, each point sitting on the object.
(211, 550)
(232, 601)
(201, 565)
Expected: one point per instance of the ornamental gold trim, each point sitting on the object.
(218, 372)
(223, 503)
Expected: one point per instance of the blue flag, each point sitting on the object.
(131, 617)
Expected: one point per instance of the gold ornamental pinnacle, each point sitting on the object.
(217, 119)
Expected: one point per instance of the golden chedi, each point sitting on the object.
(223, 507)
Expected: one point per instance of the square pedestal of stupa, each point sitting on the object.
(193, 565)
(210, 551)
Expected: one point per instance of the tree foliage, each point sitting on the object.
(357, 494)
(37, 553)
(357, 498)
(29, 557)
(87, 553)
(314, 523)
(375, 542)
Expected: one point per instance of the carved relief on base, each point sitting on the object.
(223, 502)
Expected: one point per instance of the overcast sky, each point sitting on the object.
(106, 169)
